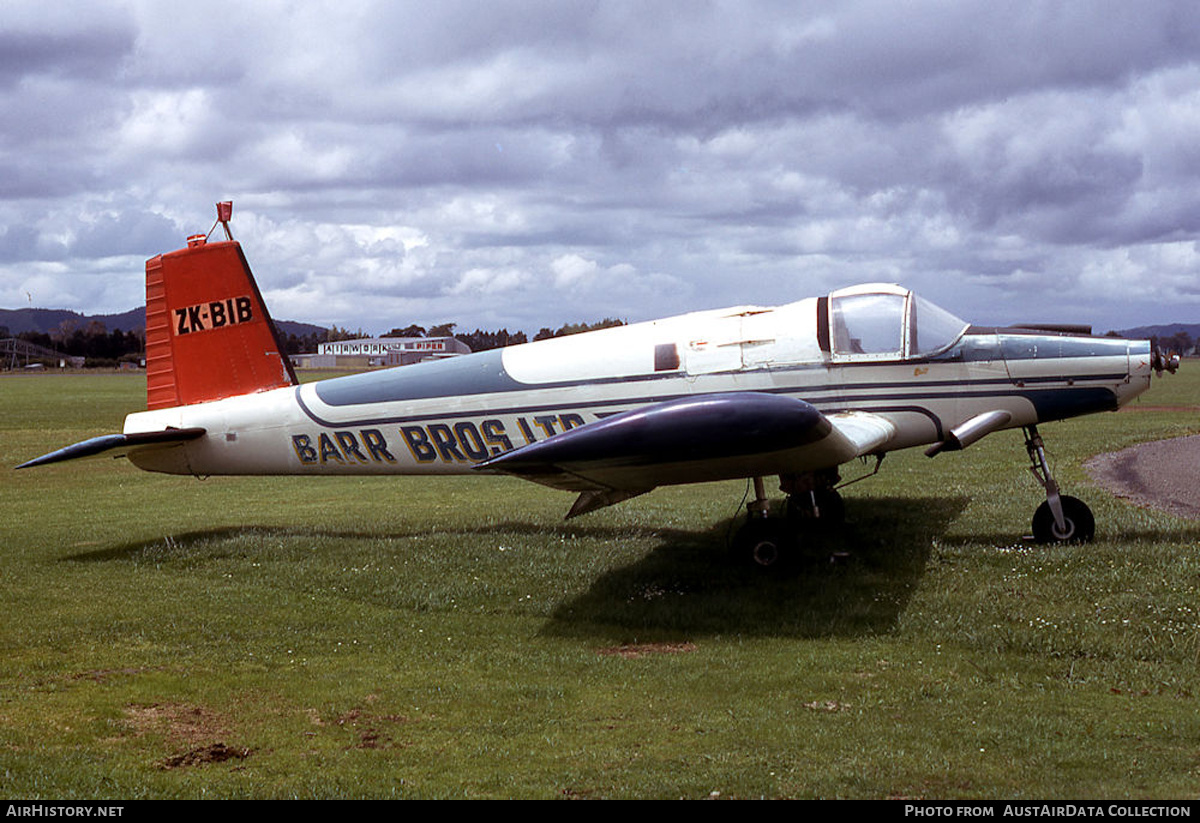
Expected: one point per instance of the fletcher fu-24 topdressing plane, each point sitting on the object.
(793, 391)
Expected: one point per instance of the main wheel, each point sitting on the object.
(1080, 524)
(765, 543)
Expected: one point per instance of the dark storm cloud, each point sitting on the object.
(529, 163)
(126, 233)
(93, 55)
(701, 66)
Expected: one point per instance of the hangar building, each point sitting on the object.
(392, 351)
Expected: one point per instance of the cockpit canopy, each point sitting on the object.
(885, 322)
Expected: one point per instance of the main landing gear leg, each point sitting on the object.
(814, 509)
(1061, 519)
(813, 500)
(764, 542)
(759, 507)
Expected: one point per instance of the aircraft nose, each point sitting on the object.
(1142, 366)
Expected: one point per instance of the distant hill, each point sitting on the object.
(1165, 330)
(46, 320)
(298, 329)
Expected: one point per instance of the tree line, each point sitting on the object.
(1179, 343)
(90, 340)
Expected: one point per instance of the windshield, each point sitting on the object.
(932, 328)
(890, 325)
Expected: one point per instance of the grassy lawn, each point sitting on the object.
(433, 638)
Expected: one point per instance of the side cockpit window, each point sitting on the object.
(891, 324)
(868, 324)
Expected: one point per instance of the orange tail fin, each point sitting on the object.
(208, 334)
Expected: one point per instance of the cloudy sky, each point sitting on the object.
(526, 164)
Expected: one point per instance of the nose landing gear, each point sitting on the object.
(1062, 518)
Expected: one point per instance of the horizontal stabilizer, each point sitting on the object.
(112, 442)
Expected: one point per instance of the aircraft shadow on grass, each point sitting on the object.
(854, 581)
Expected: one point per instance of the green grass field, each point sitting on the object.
(165, 637)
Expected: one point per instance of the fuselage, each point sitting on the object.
(837, 353)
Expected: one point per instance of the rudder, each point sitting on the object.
(208, 333)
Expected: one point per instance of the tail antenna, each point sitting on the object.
(224, 215)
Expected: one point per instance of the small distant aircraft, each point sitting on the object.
(748, 392)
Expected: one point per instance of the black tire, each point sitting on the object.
(1081, 525)
(765, 543)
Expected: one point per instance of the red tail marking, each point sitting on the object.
(208, 334)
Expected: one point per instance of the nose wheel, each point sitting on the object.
(1078, 524)
(1062, 518)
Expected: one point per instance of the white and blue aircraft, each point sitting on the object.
(793, 391)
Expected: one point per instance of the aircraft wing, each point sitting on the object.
(121, 444)
(691, 440)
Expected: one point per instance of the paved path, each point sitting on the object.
(1162, 475)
